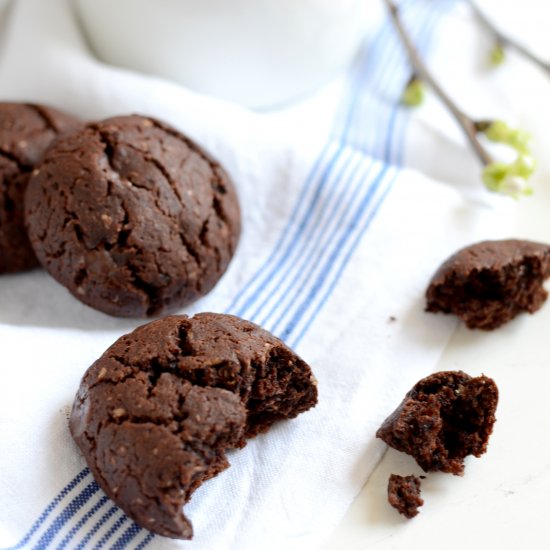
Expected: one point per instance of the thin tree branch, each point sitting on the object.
(468, 125)
(506, 40)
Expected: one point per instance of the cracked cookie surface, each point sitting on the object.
(132, 217)
(26, 131)
(155, 414)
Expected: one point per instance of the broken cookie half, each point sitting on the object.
(444, 418)
(156, 413)
(487, 284)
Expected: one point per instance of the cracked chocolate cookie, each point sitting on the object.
(404, 494)
(487, 284)
(443, 419)
(26, 131)
(132, 217)
(156, 413)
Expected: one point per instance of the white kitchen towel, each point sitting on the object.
(339, 242)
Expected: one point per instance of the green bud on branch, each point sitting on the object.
(510, 179)
(414, 94)
(497, 55)
(499, 132)
(507, 41)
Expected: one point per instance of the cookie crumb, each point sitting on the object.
(404, 494)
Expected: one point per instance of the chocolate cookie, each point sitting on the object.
(404, 494)
(489, 283)
(26, 131)
(132, 217)
(155, 414)
(444, 418)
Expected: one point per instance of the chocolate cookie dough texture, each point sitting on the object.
(404, 494)
(489, 283)
(444, 418)
(26, 131)
(132, 217)
(156, 413)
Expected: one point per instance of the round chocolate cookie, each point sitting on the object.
(26, 131)
(155, 414)
(132, 217)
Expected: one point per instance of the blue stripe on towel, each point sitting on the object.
(347, 257)
(72, 508)
(320, 280)
(68, 537)
(116, 526)
(53, 504)
(309, 210)
(128, 535)
(294, 215)
(145, 541)
(337, 186)
(97, 527)
(304, 269)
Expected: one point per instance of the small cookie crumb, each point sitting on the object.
(404, 494)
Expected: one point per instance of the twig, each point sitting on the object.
(506, 40)
(468, 125)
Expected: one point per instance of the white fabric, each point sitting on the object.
(348, 239)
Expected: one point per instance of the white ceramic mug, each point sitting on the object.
(259, 53)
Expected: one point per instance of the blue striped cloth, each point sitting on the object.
(337, 240)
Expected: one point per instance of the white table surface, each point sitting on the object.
(501, 502)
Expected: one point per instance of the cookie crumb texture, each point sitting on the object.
(132, 217)
(489, 283)
(404, 494)
(26, 131)
(443, 419)
(156, 413)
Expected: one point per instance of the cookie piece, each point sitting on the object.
(26, 131)
(489, 283)
(155, 414)
(442, 419)
(132, 217)
(404, 494)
